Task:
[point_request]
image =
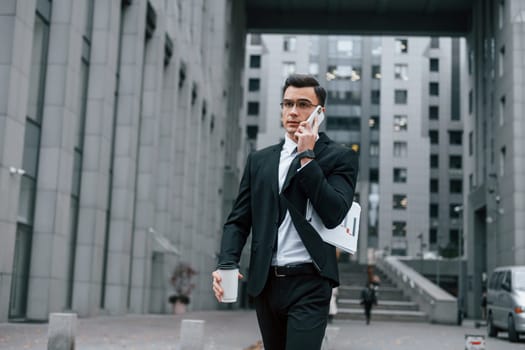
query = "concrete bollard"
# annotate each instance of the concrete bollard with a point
(192, 335)
(61, 331)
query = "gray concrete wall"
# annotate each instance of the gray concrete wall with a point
(153, 159)
(16, 34)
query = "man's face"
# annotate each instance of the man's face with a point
(298, 104)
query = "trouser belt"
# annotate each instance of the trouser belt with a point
(294, 270)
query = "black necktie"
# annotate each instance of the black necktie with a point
(294, 166)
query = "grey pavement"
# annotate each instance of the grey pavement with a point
(225, 330)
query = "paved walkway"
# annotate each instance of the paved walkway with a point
(229, 330)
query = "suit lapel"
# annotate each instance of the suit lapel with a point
(321, 144)
(274, 168)
(292, 170)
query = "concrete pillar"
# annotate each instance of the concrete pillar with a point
(61, 331)
(96, 157)
(148, 172)
(125, 157)
(166, 181)
(16, 33)
(51, 236)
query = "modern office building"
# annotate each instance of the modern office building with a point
(389, 98)
(119, 141)
(494, 155)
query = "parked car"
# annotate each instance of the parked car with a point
(506, 302)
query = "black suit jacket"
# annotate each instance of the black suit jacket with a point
(328, 181)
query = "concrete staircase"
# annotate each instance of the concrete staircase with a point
(392, 304)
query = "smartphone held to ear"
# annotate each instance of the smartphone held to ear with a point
(318, 111)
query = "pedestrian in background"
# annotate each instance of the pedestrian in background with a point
(368, 299)
(484, 304)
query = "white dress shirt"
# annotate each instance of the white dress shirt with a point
(290, 247)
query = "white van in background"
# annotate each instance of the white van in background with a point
(506, 302)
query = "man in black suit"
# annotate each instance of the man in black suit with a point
(292, 271)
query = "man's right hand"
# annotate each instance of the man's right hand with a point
(217, 289)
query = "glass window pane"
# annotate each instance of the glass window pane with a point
(88, 18)
(401, 46)
(374, 149)
(36, 77)
(343, 123)
(400, 97)
(455, 137)
(26, 201)
(255, 39)
(399, 229)
(434, 65)
(434, 89)
(82, 103)
(401, 71)
(434, 161)
(433, 112)
(432, 236)
(254, 84)
(253, 108)
(455, 162)
(400, 149)
(400, 201)
(434, 185)
(31, 146)
(375, 97)
(376, 72)
(289, 43)
(400, 122)
(456, 186)
(77, 167)
(343, 72)
(373, 122)
(400, 175)
(434, 210)
(434, 136)
(20, 277)
(255, 61)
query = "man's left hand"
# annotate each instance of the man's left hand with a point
(306, 137)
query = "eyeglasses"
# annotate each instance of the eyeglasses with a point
(300, 104)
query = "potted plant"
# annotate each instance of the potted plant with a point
(181, 280)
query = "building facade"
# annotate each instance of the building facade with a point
(119, 138)
(480, 216)
(494, 135)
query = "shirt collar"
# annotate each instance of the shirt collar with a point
(289, 145)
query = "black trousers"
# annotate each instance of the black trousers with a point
(292, 311)
(368, 310)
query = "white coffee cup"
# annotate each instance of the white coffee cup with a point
(230, 284)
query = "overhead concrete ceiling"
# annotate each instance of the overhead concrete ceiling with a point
(377, 17)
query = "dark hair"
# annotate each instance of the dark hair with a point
(304, 80)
